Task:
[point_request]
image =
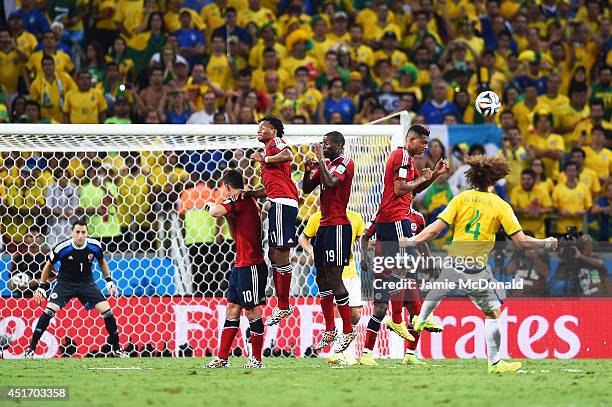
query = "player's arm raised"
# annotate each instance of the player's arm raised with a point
(430, 232)
(530, 243)
(441, 167)
(110, 285)
(329, 180)
(283, 156)
(310, 181)
(401, 188)
(215, 210)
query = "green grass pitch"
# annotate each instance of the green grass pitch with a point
(177, 382)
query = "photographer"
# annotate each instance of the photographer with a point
(532, 267)
(584, 274)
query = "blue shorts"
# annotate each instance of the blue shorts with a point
(281, 225)
(87, 292)
(247, 285)
(389, 233)
(332, 245)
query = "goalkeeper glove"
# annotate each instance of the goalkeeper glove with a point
(39, 295)
(111, 288)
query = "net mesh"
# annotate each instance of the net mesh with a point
(143, 198)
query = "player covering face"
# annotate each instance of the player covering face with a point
(476, 215)
(333, 172)
(75, 279)
(401, 181)
(246, 287)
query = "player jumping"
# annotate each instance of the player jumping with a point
(350, 278)
(477, 215)
(247, 281)
(411, 298)
(74, 279)
(283, 195)
(401, 179)
(332, 245)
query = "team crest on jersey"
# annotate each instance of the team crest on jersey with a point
(53, 296)
(413, 227)
(90, 257)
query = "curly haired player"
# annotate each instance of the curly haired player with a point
(477, 214)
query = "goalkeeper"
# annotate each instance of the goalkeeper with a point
(74, 279)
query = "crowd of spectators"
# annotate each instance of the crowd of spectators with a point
(336, 61)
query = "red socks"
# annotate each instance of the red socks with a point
(282, 283)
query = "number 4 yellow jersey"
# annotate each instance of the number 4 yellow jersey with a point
(477, 216)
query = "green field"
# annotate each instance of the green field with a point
(311, 382)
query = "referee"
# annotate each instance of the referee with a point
(74, 279)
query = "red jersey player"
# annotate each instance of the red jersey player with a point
(401, 179)
(247, 281)
(332, 244)
(410, 297)
(283, 196)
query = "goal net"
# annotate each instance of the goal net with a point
(142, 190)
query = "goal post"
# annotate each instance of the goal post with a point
(141, 188)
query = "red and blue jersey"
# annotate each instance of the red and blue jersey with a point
(400, 166)
(276, 177)
(335, 200)
(243, 218)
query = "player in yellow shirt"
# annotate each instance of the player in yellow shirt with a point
(546, 145)
(531, 204)
(571, 200)
(11, 58)
(598, 157)
(84, 104)
(49, 90)
(477, 214)
(586, 176)
(351, 279)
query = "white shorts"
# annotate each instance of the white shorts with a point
(487, 300)
(353, 286)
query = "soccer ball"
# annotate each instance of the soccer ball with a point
(487, 103)
(21, 279)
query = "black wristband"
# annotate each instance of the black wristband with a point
(109, 279)
(44, 286)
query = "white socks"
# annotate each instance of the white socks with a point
(493, 337)
(427, 309)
